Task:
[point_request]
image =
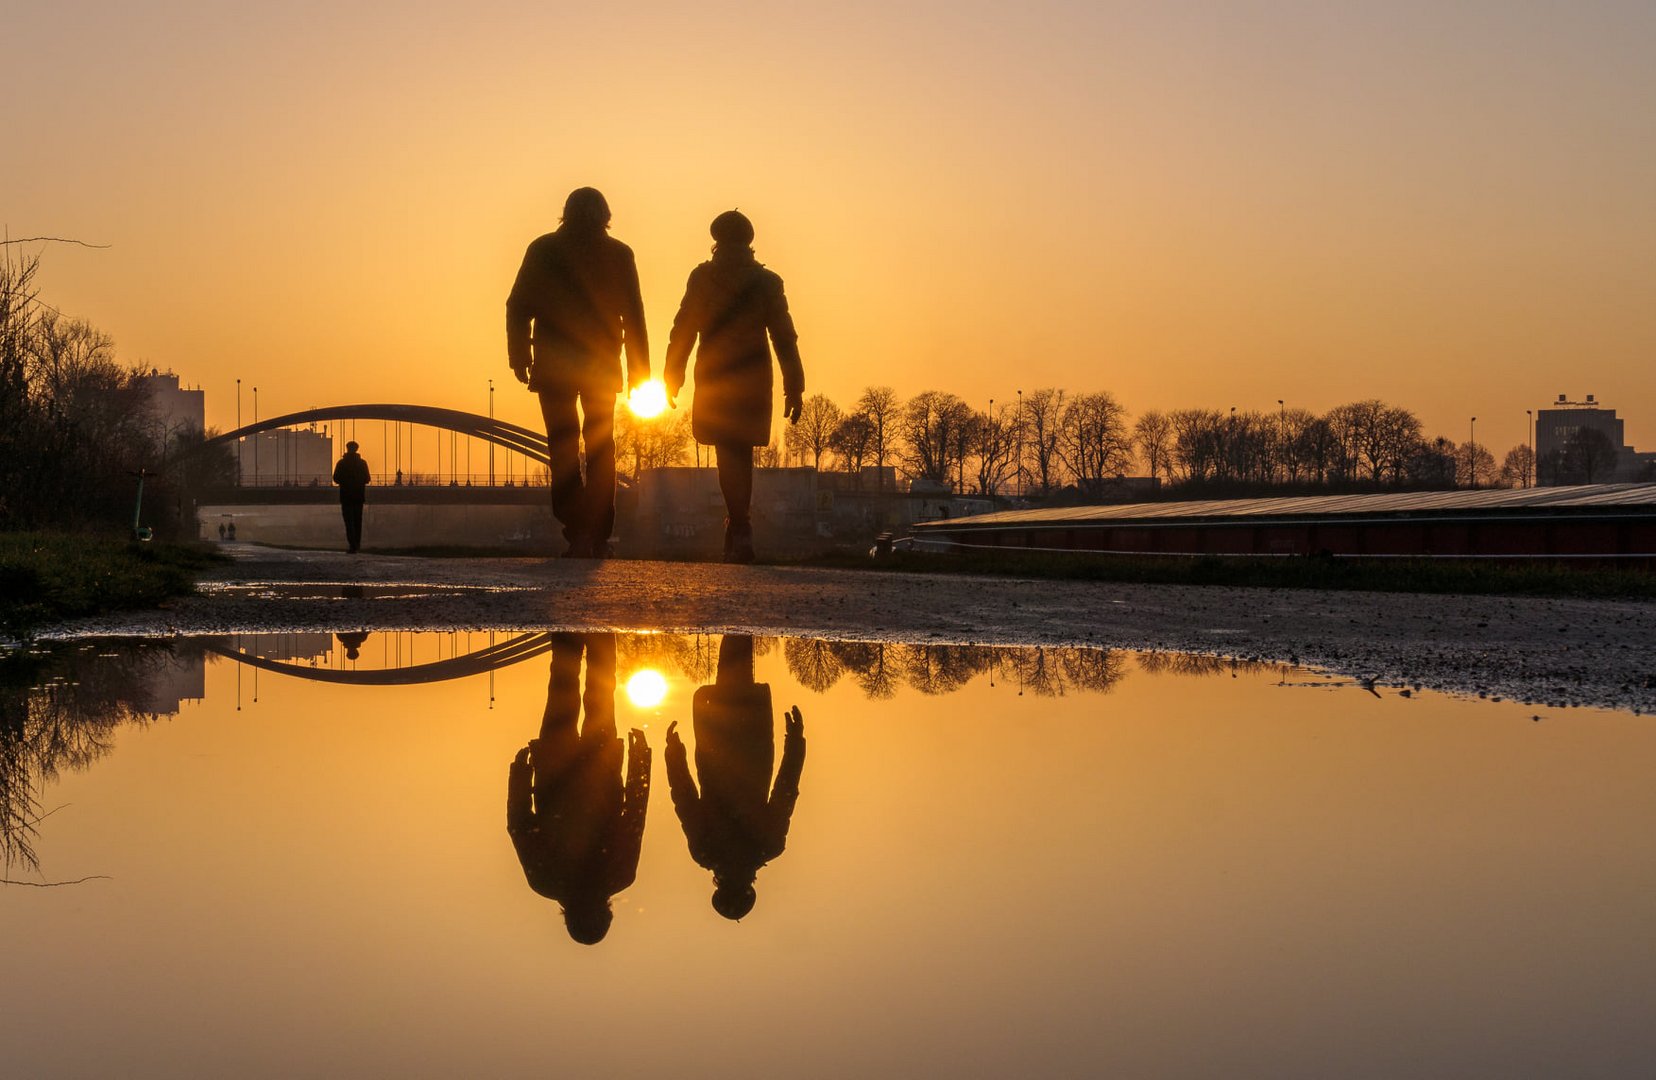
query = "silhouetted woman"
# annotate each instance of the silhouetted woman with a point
(576, 827)
(732, 302)
(738, 821)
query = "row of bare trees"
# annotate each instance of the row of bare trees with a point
(1051, 441)
(75, 424)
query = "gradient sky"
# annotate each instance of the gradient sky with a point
(1451, 206)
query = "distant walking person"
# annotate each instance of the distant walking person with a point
(732, 301)
(573, 308)
(738, 821)
(351, 474)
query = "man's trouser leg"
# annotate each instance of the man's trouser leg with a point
(598, 435)
(352, 513)
(563, 450)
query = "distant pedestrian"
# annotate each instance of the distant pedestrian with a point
(573, 308)
(231, 530)
(221, 532)
(351, 474)
(732, 301)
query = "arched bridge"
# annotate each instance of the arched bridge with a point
(521, 440)
(502, 654)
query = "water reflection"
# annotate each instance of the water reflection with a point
(59, 710)
(738, 821)
(577, 826)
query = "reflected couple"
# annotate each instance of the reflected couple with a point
(575, 803)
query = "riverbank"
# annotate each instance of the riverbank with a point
(48, 577)
(1544, 650)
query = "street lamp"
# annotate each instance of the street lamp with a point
(238, 437)
(1023, 484)
(256, 476)
(491, 443)
(1282, 437)
(1472, 453)
(1529, 473)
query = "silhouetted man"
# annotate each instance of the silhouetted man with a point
(351, 474)
(574, 306)
(738, 822)
(732, 302)
(577, 828)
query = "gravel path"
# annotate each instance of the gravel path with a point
(1543, 651)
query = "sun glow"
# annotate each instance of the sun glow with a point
(647, 688)
(647, 401)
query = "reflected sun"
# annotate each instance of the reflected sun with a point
(647, 688)
(648, 400)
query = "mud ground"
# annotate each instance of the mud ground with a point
(1552, 652)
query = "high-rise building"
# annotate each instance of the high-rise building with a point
(1583, 442)
(287, 456)
(173, 408)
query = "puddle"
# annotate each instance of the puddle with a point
(960, 860)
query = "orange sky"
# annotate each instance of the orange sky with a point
(1451, 207)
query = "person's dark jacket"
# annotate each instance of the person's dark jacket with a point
(351, 474)
(732, 302)
(575, 304)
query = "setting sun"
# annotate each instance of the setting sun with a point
(648, 400)
(647, 688)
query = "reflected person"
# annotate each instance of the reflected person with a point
(738, 821)
(731, 302)
(576, 825)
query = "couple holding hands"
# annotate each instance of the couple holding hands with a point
(576, 304)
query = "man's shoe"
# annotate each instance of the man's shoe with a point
(739, 542)
(579, 548)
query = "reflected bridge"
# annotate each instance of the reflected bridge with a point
(502, 654)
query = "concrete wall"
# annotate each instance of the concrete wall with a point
(388, 525)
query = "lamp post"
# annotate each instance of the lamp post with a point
(1023, 485)
(1282, 437)
(491, 442)
(238, 438)
(256, 476)
(1472, 453)
(1529, 473)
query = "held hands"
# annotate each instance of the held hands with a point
(792, 406)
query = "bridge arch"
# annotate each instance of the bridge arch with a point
(521, 440)
(515, 650)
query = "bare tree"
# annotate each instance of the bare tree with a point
(651, 444)
(882, 407)
(1518, 467)
(1474, 466)
(1042, 412)
(1093, 440)
(814, 433)
(1153, 435)
(930, 433)
(994, 445)
(852, 442)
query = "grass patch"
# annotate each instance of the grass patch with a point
(45, 577)
(1389, 575)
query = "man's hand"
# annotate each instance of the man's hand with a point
(792, 406)
(522, 373)
(793, 722)
(673, 735)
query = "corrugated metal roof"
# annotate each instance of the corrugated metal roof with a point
(1638, 497)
